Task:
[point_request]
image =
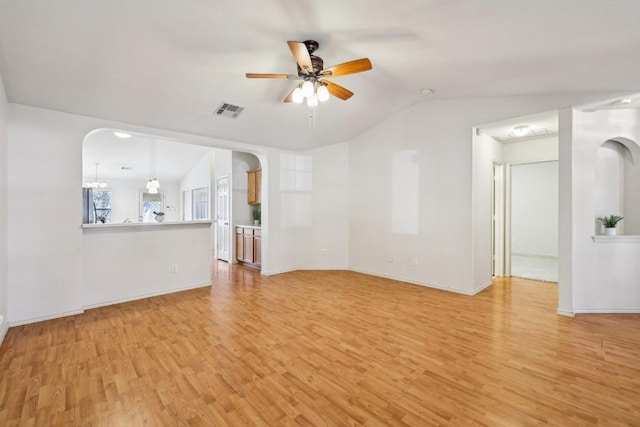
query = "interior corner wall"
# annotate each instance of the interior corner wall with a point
(4, 278)
(323, 241)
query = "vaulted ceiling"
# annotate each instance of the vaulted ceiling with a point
(170, 64)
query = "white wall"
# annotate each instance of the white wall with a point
(631, 201)
(317, 198)
(530, 151)
(486, 152)
(4, 279)
(534, 208)
(604, 274)
(121, 264)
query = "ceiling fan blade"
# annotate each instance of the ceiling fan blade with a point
(301, 55)
(289, 97)
(268, 76)
(337, 90)
(351, 67)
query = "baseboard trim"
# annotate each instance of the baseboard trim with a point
(3, 332)
(608, 311)
(150, 295)
(565, 313)
(43, 318)
(413, 282)
(483, 287)
(273, 273)
(323, 268)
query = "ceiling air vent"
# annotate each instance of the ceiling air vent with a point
(229, 110)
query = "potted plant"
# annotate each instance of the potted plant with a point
(256, 215)
(610, 223)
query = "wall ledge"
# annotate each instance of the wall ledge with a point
(616, 239)
(146, 224)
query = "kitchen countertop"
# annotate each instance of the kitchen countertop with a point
(256, 227)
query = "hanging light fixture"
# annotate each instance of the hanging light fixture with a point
(153, 184)
(322, 92)
(96, 183)
(297, 95)
(313, 90)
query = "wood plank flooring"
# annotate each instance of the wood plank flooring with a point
(325, 348)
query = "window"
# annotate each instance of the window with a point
(200, 203)
(102, 205)
(150, 205)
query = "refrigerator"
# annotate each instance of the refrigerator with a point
(88, 207)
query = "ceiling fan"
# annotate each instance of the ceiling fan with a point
(315, 86)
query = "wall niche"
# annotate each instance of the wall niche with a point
(617, 178)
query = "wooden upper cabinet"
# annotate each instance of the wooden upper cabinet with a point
(255, 183)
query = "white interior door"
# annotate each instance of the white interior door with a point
(223, 227)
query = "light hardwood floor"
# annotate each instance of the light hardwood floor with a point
(325, 348)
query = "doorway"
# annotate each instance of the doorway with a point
(223, 227)
(534, 221)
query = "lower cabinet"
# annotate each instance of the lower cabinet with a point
(248, 245)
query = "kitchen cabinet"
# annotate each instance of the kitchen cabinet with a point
(248, 245)
(254, 185)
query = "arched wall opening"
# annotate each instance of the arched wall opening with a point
(189, 175)
(616, 179)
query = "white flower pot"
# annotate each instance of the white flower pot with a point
(609, 231)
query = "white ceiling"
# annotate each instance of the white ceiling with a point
(173, 159)
(540, 125)
(170, 64)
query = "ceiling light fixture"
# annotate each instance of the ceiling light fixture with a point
(313, 90)
(153, 184)
(521, 130)
(623, 101)
(122, 135)
(427, 91)
(96, 183)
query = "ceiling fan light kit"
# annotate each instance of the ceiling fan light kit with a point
(315, 88)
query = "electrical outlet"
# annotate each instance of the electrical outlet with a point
(390, 259)
(324, 252)
(174, 268)
(414, 261)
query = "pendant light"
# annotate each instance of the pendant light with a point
(96, 183)
(153, 184)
